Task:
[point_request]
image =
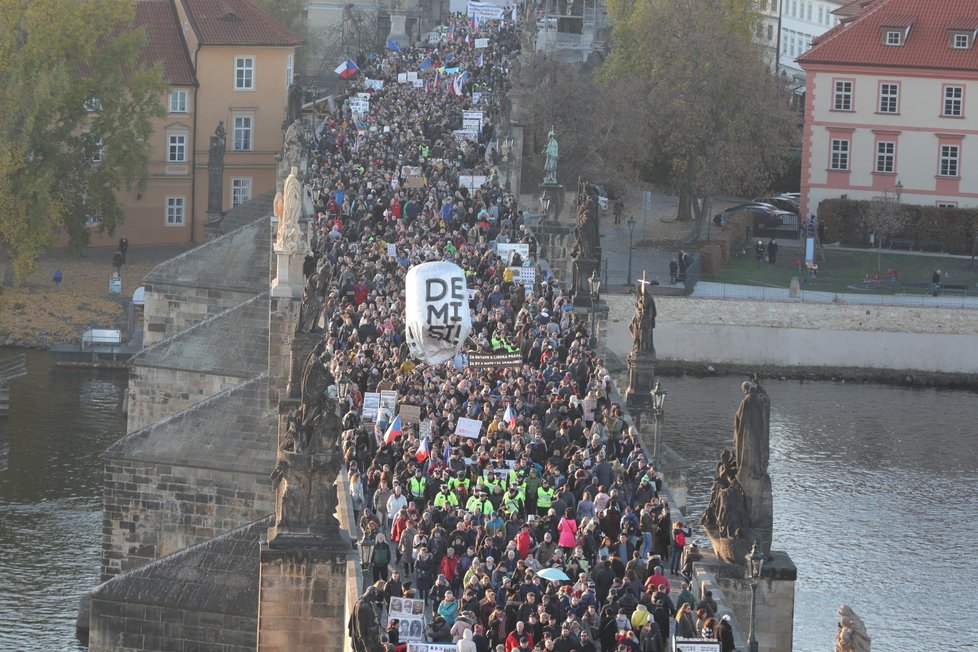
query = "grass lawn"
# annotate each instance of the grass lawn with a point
(845, 271)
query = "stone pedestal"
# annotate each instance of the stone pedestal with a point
(583, 268)
(302, 597)
(641, 377)
(399, 28)
(775, 606)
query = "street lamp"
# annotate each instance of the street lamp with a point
(755, 563)
(631, 230)
(899, 190)
(367, 545)
(658, 400)
(594, 284)
(343, 386)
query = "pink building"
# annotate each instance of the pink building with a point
(887, 104)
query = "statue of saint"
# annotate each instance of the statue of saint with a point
(294, 107)
(552, 151)
(288, 224)
(363, 628)
(315, 380)
(643, 323)
(312, 303)
(215, 170)
(751, 432)
(852, 636)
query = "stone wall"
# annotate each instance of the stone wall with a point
(151, 510)
(124, 626)
(170, 309)
(157, 394)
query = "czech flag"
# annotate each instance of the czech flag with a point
(509, 416)
(447, 453)
(480, 61)
(393, 430)
(347, 69)
(393, 45)
(451, 31)
(475, 23)
(424, 451)
(458, 86)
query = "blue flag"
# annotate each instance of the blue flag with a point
(424, 64)
(393, 45)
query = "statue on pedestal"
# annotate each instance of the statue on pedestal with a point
(312, 303)
(288, 223)
(586, 230)
(643, 323)
(552, 151)
(363, 628)
(852, 636)
(741, 505)
(215, 170)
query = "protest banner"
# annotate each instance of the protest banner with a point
(473, 115)
(430, 647)
(468, 428)
(696, 645)
(418, 83)
(481, 43)
(525, 276)
(405, 608)
(505, 250)
(371, 403)
(495, 360)
(476, 98)
(402, 78)
(472, 123)
(412, 76)
(473, 182)
(484, 11)
(465, 134)
(376, 84)
(410, 413)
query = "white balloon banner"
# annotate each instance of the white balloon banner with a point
(437, 317)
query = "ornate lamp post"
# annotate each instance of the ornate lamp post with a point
(367, 545)
(658, 400)
(631, 230)
(594, 284)
(899, 190)
(755, 563)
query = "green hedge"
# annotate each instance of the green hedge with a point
(724, 243)
(957, 227)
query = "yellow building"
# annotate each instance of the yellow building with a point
(225, 61)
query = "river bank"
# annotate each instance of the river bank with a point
(37, 314)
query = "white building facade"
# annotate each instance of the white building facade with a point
(801, 22)
(887, 107)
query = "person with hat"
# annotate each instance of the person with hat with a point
(725, 635)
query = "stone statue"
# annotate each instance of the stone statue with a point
(312, 303)
(741, 506)
(315, 380)
(288, 224)
(552, 152)
(643, 323)
(294, 148)
(852, 636)
(363, 628)
(586, 230)
(215, 170)
(294, 108)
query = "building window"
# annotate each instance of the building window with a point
(289, 71)
(961, 42)
(840, 154)
(242, 133)
(949, 160)
(843, 95)
(240, 191)
(885, 156)
(893, 37)
(93, 220)
(174, 211)
(244, 73)
(889, 96)
(178, 101)
(97, 150)
(176, 150)
(93, 105)
(953, 100)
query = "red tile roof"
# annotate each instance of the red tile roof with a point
(164, 41)
(237, 22)
(859, 41)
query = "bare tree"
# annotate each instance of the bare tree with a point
(884, 217)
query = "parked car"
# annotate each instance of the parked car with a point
(754, 208)
(782, 202)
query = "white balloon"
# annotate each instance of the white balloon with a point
(436, 313)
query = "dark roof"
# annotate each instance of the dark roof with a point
(237, 261)
(236, 430)
(217, 576)
(859, 41)
(259, 206)
(237, 22)
(232, 343)
(165, 41)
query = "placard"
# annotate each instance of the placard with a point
(376, 84)
(371, 403)
(402, 78)
(388, 400)
(115, 283)
(412, 76)
(525, 276)
(476, 98)
(473, 182)
(481, 43)
(505, 250)
(468, 427)
(430, 647)
(418, 83)
(465, 134)
(484, 11)
(405, 608)
(410, 413)
(696, 645)
(472, 123)
(391, 250)
(495, 360)
(473, 115)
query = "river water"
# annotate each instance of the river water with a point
(874, 491)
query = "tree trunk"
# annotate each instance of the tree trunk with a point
(685, 193)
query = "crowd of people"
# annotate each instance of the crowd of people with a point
(556, 479)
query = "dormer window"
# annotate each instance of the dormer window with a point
(960, 42)
(893, 37)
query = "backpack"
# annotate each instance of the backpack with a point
(680, 538)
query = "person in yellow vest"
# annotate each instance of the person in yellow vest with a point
(545, 496)
(444, 497)
(417, 485)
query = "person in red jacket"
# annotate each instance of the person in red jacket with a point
(397, 528)
(524, 541)
(448, 566)
(517, 635)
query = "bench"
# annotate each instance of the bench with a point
(940, 245)
(901, 242)
(955, 288)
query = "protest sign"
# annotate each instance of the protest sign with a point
(476, 98)
(468, 428)
(391, 249)
(371, 403)
(473, 115)
(696, 645)
(484, 11)
(410, 413)
(376, 84)
(473, 182)
(418, 83)
(402, 78)
(465, 134)
(430, 647)
(526, 276)
(505, 250)
(481, 43)
(412, 76)
(472, 123)
(495, 360)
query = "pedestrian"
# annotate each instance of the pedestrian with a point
(772, 251)
(118, 260)
(759, 253)
(673, 271)
(683, 264)
(935, 280)
(57, 278)
(123, 247)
